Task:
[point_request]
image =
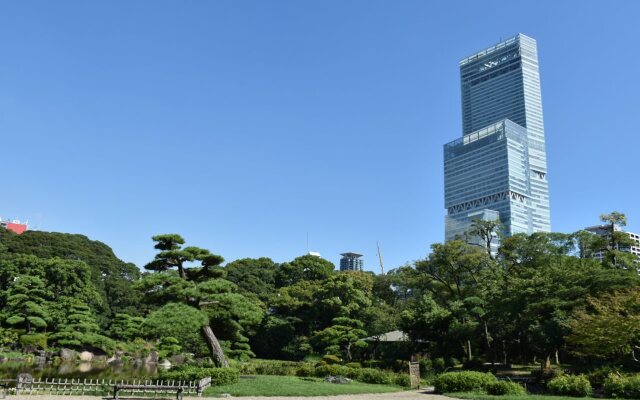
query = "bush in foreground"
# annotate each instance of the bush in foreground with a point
(466, 381)
(624, 387)
(501, 388)
(219, 376)
(570, 385)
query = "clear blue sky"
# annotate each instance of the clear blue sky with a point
(244, 125)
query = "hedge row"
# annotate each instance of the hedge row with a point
(321, 370)
(464, 381)
(219, 376)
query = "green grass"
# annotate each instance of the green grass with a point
(264, 385)
(482, 396)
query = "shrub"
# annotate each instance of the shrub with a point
(219, 376)
(625, 387)
(353, 365)
(501, 388)
(426, 366)
(403, 380)
(598, 376)
(570, 385)
(370, 375)
(305, 370)
(271, 367)
(332, 370)
(223, 376)
(546, 374)
(38, 340)
(438, 364)
(466, 381)
(331, 359)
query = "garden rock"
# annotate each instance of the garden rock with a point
(178, 359)
(152, 358)
(68, 354)
(86, 356)
(341, 380)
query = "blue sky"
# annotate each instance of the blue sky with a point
(246, 125)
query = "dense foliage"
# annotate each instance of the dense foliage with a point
(189, 373)
(570, 385)
(466, 381)
(502, 388)
(541, 298)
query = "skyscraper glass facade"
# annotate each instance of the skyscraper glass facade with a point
(499, 165)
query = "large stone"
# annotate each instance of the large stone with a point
(86, 356)
(100, 359)
(68, 354)
(337, 379)
(152, 358)
(178, 359)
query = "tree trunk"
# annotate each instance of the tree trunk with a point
(214, 346)
(546, 362)
(489, 350)
(28, 325)
(469, 349)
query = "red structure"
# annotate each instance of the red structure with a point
(13, 226)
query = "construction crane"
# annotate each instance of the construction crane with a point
(380, 258)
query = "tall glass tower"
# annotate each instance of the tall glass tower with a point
(498, 168)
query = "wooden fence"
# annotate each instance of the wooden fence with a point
(65, 386)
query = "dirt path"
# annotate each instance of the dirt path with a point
(407, 395)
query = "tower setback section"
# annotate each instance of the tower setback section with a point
(498, 169)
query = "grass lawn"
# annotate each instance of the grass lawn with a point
(482, 396)
(269, 385)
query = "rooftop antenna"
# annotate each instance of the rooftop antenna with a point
(380, 258)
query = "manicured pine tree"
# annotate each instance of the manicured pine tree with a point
(26, 304)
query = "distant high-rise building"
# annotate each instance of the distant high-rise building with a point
(605, 230)
(498, 167)
(351, 262)
(14, 226)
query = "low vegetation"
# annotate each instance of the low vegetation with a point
(295, 386)
(570, 385)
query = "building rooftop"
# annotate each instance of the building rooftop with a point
(351, 254)
(496, 47)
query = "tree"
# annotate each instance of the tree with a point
(254, 276)
(111, 278)
(126, 327)
(347, 294)
(179, 321)
(486, 230)
(618, 241)
(26, 304)
(607, 326)
(341, 337)
(201, 287)
(307, 267)
(80, 328)
(451, 274)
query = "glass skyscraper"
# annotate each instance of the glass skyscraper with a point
(498, 168)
